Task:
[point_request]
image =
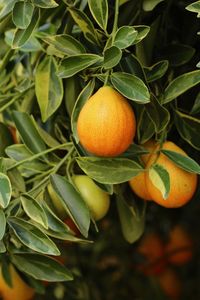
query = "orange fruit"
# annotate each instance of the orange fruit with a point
(170, 283)
(138, 182)
(182, 183)
(19, 291)
(106, 124)
(179, 246)
(151, 247)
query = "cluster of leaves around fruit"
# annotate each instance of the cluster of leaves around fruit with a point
(62, 53)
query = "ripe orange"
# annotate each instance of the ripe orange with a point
(170, 283)
(19, 291)
(179, 246)
(106, 125)
(182, 183)
(151, 247)
(138, 182)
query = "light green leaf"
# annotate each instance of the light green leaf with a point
(149, 5)
(41, 267)
(160, 179)
(99, 11)
(5, 190)
(72, 202)
(3, 225)
(184, 162)
(142, 31)
(194, 7)
(48, 87)
(180, 85)
(74, 64)
(112, 57)
(131, 87)
(125, 36)
(109, 171)
(45, 3)
(7, 8)
(34, 210)
(22, 14)
(65, 43)
(32, 237)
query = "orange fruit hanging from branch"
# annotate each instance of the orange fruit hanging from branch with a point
(106, 124)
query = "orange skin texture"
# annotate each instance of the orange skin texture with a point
(106, 125)
(138, 182)
(179, 247)
(170, 284)
(182, 184)
(19, 291)
(151, 248)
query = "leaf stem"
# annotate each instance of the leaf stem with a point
(115, 19)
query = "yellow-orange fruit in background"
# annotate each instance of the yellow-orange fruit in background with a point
(19, 291)
(151, 247)
(138, 182)
(182, 183)
(106, 124)
(170, 284)
(179, 246)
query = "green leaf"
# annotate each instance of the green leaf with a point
(31, 45)
(74, 64)
(125, 36)
(28, 132)
(130, 64)
(142, 31)
(99, 11)
(34, 210)
(82, 98)
(112, 57)
(48, 87)
(17, 181)
(156, 71)
(72, 202)
(32, 237)
(45, 3)
(132, 225)
(109, 171)
(194, 7)
(180, 85)
(131, 87)
(3, 225)
(158, 114)
(85, 25)
(149, 5)
(2, 247)
(8, 6)
(22, 14)
(41, 267)
(160, 179)
(196, 106)
(23, 35)
(178, 54)
(5, 190)
(72, 90)
(65, 43)
(184, 162)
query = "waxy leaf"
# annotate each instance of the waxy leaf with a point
(3, 225)
(112, 57)
(22, 14)
(99, 11)
(160, 179)
(5, 190)
(125, 36)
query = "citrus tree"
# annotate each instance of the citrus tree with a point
(99, 107)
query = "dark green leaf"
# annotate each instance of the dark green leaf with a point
(178, 54)
(72, 202)
(130, 64)
(22, 14)
(125, 37)
(131, 87)
(160, 179)
(112, 57)
(188, 128)
(196, 107)
(184, 162)
(99, 11)
(32, 237)
(23, 35)
(31, 45)
(82, 98)
(3, 225)
(180, 85)
(5, 190)
(72, 90)
(142, 30)
(74, 64)
(2, 247)
(156, 71)
(65, 43)
(48, 87)
(109, 171)
(150, 5)
(34, 210)
(41, 267)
